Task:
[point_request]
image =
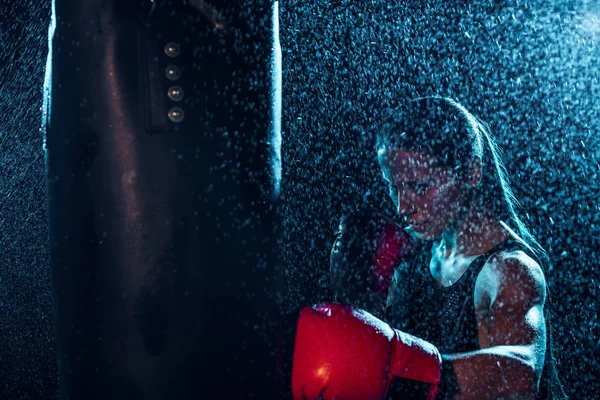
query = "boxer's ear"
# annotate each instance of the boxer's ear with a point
(474, 176)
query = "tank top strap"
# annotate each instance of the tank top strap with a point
(509, 244)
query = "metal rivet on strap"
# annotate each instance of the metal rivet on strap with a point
(176, 115)
(175, 93)
(172, 72)
(172, 49)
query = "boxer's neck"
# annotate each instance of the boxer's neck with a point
(475, 233)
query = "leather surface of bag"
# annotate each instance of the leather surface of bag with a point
(162, 175)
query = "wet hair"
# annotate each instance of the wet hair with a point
(442, 128)
(352, 273)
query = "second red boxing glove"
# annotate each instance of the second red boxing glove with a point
(346, 353)
(367, 250)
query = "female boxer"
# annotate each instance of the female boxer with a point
(480, 292)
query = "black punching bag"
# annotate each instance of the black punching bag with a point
(162, 149)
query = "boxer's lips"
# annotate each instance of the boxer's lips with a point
(418, 227)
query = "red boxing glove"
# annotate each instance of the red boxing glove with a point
(394, 247)
(346, 353)
(367, 250)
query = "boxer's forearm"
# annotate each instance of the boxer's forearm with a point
(496, 372)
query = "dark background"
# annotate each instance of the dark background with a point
(529, 69)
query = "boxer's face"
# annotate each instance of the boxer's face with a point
(427, 196)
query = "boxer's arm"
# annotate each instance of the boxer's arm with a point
(509, 299)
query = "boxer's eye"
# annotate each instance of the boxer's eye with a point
(420, 187)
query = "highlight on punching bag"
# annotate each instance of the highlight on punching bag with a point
(162, 122)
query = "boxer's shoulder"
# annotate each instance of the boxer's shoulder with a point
(512, 274)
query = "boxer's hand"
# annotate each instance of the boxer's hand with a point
(344, 352)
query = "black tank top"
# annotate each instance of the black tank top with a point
(444, 316)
